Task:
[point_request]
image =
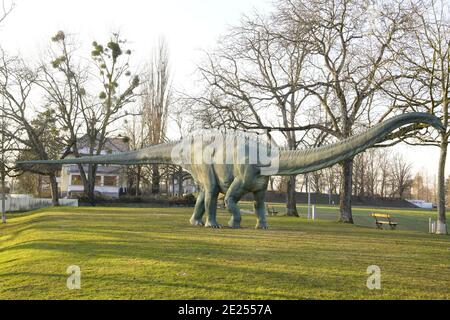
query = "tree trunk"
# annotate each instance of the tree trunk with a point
(54, 190)
(91, 184)
(173, 184)
(291, 204)
(138, 179)
(383, 186)
(167, 184)
(39, 186)
(180, 181)
(3, 199)
(362, 189)
(130, 182)
(346, 192)
(441, 221)
(155, 179)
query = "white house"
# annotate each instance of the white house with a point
(111, 180)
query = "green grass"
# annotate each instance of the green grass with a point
(408, 219)
(153, 253)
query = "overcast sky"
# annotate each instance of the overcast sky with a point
(189, 26)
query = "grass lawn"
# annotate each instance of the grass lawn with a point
(153, 253)
(408, 219)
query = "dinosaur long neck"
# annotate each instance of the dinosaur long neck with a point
(303, 161)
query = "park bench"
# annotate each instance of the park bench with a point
(384, 218)
(271, 211)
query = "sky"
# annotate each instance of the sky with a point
(189, 26)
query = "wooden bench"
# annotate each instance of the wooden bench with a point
(384, 218)
(271, 211)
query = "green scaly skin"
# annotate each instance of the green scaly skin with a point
(238, 178)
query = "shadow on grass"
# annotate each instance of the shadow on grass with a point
(118, 281)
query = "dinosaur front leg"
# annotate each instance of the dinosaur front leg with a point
(211, 208)
(260, 209)
(199, 210)
(233, 195)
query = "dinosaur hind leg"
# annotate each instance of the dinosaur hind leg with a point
(260, 209)
(232, 197)
(199, 210)
(211, 195)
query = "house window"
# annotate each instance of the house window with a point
(76, 180)
(110, 181)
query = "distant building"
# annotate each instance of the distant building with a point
(110, 181)
(421, 204)
(189, 185)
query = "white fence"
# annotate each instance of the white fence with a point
(26, 203)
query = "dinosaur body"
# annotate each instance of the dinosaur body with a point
(234, 164)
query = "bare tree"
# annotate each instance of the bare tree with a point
(135, 129)
(350, 55)
(426, 56)
(447, 190)
(423, 187)
(33, 135)
(359, 174)
(401, 177)
(8, 148)
(6, 142)
(6, 9)
(63, 80)
(333, 179)
(316, 181)
(372, 171)
(252, 81)
(155, 100)
(366, 171)
(331, 59)
(88, 112)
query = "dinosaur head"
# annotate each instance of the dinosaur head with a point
(433, 121)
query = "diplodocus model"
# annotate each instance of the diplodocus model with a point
(226, 163)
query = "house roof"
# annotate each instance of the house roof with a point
(112, 145)
(118, 144)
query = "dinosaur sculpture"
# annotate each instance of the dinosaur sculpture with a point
(236, 164)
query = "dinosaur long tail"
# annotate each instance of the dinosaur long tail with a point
(158, 154)
(303, 161)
